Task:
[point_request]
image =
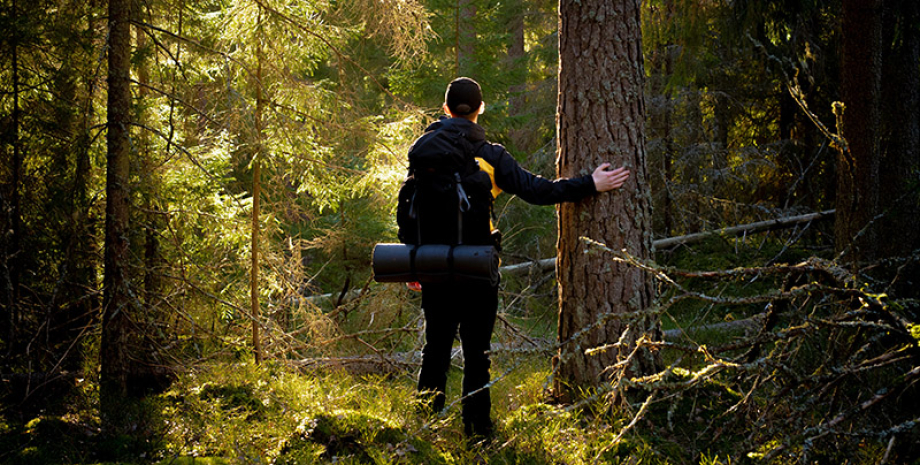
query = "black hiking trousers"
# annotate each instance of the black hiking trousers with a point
(470, 309)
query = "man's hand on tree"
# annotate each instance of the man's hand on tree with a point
(609, 180)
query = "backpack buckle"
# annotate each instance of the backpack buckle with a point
(464, 204)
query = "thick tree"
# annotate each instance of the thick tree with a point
(601, 118)
(900, 147)
(858, 162)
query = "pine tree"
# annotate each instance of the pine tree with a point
(118, 308)
(601, 118)
(858, 162)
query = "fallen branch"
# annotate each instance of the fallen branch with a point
(547, 264)
(760, 226)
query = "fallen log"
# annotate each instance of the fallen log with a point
(547, 264)
(751, 228)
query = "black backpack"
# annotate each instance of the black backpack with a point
(446, 199)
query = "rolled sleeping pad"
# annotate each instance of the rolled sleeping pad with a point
(435, 263)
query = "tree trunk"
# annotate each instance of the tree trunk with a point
(858, 164)
(13, 244)
(601, 118)
(116, 329)
(900, 154)
(256, 193)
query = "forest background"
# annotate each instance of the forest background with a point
(264, 146)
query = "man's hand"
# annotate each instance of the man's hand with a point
(609, 180)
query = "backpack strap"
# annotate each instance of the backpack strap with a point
(463, 202)
(413, 214)
(463, 206)
(472, 150)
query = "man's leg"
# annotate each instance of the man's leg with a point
(476, 326)
(440, 329)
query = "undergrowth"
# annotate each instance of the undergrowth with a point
(231, 413)
(821, 371)
(272, 414)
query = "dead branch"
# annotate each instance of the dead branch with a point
(548, 264)
(751, 228)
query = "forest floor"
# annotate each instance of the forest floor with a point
(234, 411)
(230, 413)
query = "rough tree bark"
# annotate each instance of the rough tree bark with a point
(601, 118)
(116, 323)
(858, 163)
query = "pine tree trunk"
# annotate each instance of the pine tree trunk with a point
(601, 118)
(900, 155)
(256, 198)
(116, 330)
(13, 238)
(858, 166)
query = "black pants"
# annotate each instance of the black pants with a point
(469, 308)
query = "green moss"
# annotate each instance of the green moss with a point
(234, 396)
(341, 435)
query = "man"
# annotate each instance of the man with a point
(470, 307)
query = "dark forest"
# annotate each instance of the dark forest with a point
(190, 193)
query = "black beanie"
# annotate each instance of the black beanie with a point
(463, 96)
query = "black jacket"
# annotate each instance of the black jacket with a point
(510, 176)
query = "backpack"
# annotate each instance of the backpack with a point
(446, 198)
